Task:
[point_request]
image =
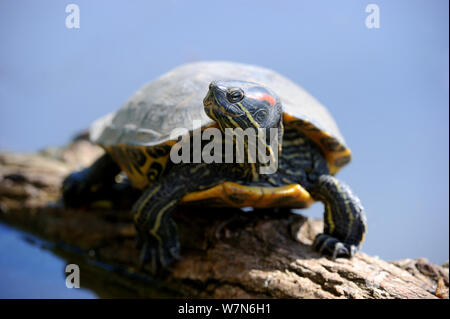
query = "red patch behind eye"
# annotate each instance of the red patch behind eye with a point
(266, 97)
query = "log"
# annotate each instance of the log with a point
(226, 253)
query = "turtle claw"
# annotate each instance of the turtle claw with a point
(157, 255)
(330, 246)
(174, 252)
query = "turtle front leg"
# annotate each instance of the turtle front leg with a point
(157, 235)
(156, 230)
(344, 218)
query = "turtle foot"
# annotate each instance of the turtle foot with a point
(158, 255)
(330, 246)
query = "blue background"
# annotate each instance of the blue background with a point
(387, 88)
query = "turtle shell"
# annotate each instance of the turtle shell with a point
(175, 100)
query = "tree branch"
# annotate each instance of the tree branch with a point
(226, 253)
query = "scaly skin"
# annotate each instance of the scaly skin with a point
(231, 104)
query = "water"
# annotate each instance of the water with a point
(28, 271)
(31, 267)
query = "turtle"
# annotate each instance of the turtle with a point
(219, 96)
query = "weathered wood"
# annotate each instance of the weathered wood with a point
(226, 252)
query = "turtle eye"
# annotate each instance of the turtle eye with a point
(235, 95)
(260, 116)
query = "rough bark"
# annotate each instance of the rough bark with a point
(226, 252)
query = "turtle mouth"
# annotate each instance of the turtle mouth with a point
(223, 111)
(209, 99)
(208, 103)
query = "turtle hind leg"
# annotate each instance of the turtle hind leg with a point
(90, 184)
(344, 218)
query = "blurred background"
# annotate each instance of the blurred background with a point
(387, 88)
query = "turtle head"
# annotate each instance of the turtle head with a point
(247, 106)
(240, 104)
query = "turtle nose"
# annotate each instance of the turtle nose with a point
(213, 85)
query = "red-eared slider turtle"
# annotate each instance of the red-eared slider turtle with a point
(222, 95)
